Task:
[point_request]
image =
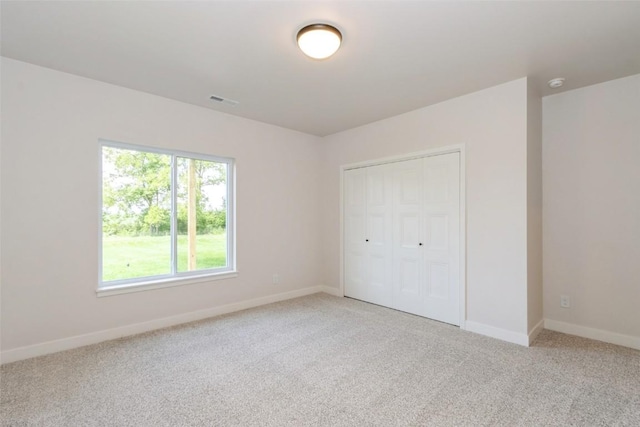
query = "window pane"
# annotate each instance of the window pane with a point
(202, 214)
(136, 214)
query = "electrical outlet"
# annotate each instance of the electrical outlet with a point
(275, 279)
(565, 302)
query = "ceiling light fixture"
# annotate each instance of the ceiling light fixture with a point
(556, 83)
(319, 41)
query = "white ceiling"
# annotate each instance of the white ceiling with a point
(396, 55)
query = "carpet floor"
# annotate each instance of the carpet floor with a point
(325, 361)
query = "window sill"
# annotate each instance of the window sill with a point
(163, 283)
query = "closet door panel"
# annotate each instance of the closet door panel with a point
(438, 280)
(378, 234)
(355, 249)
(408, 277)
(441, 219)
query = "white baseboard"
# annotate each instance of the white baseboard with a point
(331, 291)
(493, 332)
(55, 346)
(533, 333)
(592, 333)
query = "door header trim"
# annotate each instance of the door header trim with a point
(457, 148)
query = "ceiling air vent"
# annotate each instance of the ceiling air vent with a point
(222, 100)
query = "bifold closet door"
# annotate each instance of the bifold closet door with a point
(441, 213)
(408, 243)
(401, 236)
(379, 232)
(441, 221)
(426, 210)
(368, 234)
(355, 225)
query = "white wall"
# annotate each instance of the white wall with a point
(49, 173)
(493, 125)
(591, 158)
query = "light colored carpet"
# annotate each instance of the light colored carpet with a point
(325, 361)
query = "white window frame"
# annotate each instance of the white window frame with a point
(175, 278)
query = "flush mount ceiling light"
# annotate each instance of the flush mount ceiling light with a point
(556, 83)
(319, 41)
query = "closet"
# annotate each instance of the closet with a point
(402, 235)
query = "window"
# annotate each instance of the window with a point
(165, 215)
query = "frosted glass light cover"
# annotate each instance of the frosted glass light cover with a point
(319, 41)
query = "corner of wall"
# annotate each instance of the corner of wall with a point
(331, 291)
(534, 209)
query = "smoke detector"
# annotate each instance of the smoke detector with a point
(556, 83)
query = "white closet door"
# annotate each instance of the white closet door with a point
(355, 249)
(401, 236)
(441, 221)
(379, 232)
(408, 271)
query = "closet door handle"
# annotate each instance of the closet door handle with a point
(419, 244)
(366, 240)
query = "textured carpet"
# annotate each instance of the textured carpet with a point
(326, 361)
